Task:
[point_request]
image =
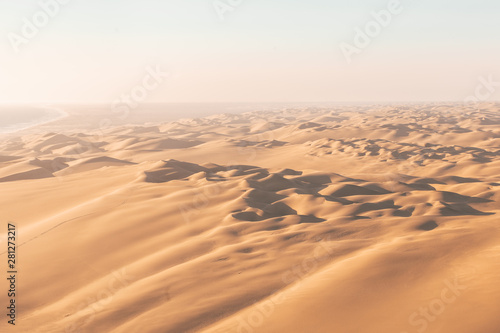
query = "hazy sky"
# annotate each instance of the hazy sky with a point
(261, 51)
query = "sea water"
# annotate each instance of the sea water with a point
(15, 118)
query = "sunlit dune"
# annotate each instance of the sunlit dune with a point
(380, 219)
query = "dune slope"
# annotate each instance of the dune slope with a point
(356, 219)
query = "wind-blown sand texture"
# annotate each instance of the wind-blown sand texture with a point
(366, 219)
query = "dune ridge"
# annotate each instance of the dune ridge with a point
(299, 220)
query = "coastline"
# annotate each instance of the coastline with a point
(29, 125)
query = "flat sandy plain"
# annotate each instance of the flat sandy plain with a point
(355, 219)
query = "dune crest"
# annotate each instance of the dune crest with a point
(350, 219)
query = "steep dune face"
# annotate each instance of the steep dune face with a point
(361, 219)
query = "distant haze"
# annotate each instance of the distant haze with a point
(257, 51)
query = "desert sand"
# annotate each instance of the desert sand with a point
(348, 219)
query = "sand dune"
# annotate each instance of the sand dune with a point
(162, 144)
(31, 174)
(82, 165)
(355, 219)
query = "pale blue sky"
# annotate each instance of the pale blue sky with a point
(274, 50)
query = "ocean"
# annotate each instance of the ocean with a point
(15, 118)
